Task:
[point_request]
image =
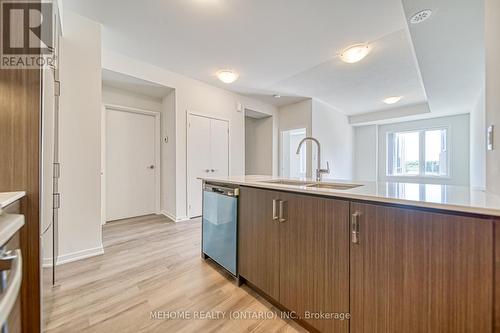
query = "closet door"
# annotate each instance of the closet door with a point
(219, 142)
(198, 160)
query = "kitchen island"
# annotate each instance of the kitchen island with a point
(371, 257)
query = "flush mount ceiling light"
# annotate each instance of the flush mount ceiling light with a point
(227, 76)
(355, 53)
(392, 99)
(420, 16)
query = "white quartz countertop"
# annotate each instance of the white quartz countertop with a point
(6, 198)
(445, 197)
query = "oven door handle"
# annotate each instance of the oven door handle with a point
(9, 296)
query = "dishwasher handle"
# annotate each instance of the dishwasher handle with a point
(222, 190)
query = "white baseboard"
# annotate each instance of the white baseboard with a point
(173, 217)
(168, 215)
(79, 255)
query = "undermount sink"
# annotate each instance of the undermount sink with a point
(289, 182)
(312, 184)
(334, 186)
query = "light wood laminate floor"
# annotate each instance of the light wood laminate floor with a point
(152, 264)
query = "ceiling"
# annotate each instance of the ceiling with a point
(134, 85)
(450, 49)
(285, 47)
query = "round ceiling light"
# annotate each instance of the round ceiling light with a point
(227, 76)
(355, 53)
(420, 16)
(392, 99)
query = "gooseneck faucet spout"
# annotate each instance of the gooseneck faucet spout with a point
(319, 171)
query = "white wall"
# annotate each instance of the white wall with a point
(459, 148)
(478, 145)
(295, 116)
(327, 125)
(259, 146)
(168, 180)
(115, 96)
(79, 227)
(192, 95)
(336, 136)
(492, 37)
(365, 153)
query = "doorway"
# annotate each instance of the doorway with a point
(293, 165)
(207, 156)
(258, 143)
(132, 162)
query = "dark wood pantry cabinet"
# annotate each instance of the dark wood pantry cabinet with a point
(392, 268)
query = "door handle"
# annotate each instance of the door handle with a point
(212, 170)
(282, 211)
(207, 170)
(275, 210)
(151, 167)
(355, 227)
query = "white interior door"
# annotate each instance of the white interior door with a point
(198, 160)
(208, 155)
(219, 153)
(130, 164)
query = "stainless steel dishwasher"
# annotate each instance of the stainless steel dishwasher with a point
(220, 225)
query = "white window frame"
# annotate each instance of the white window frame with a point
(421, 164)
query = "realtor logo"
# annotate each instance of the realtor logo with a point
(27, 34)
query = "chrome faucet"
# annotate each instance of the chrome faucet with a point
(319, 171)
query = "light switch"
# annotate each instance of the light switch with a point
(490, 138)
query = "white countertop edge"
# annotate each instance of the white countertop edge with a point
(6, 198)
(452, 207)
(9, 225)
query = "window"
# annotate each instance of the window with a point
(436, 159)
(418, 153)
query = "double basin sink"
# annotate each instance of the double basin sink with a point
(312, 184)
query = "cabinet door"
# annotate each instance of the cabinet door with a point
(415, 271)
(258, 245)
(314, 260)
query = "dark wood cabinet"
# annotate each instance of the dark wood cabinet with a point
(391, 268)
(301, 257)
(314, 260)
(416, 271)
(258, 240)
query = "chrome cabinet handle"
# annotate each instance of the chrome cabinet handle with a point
(282, 211)
(275, 210)
(355, 227)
